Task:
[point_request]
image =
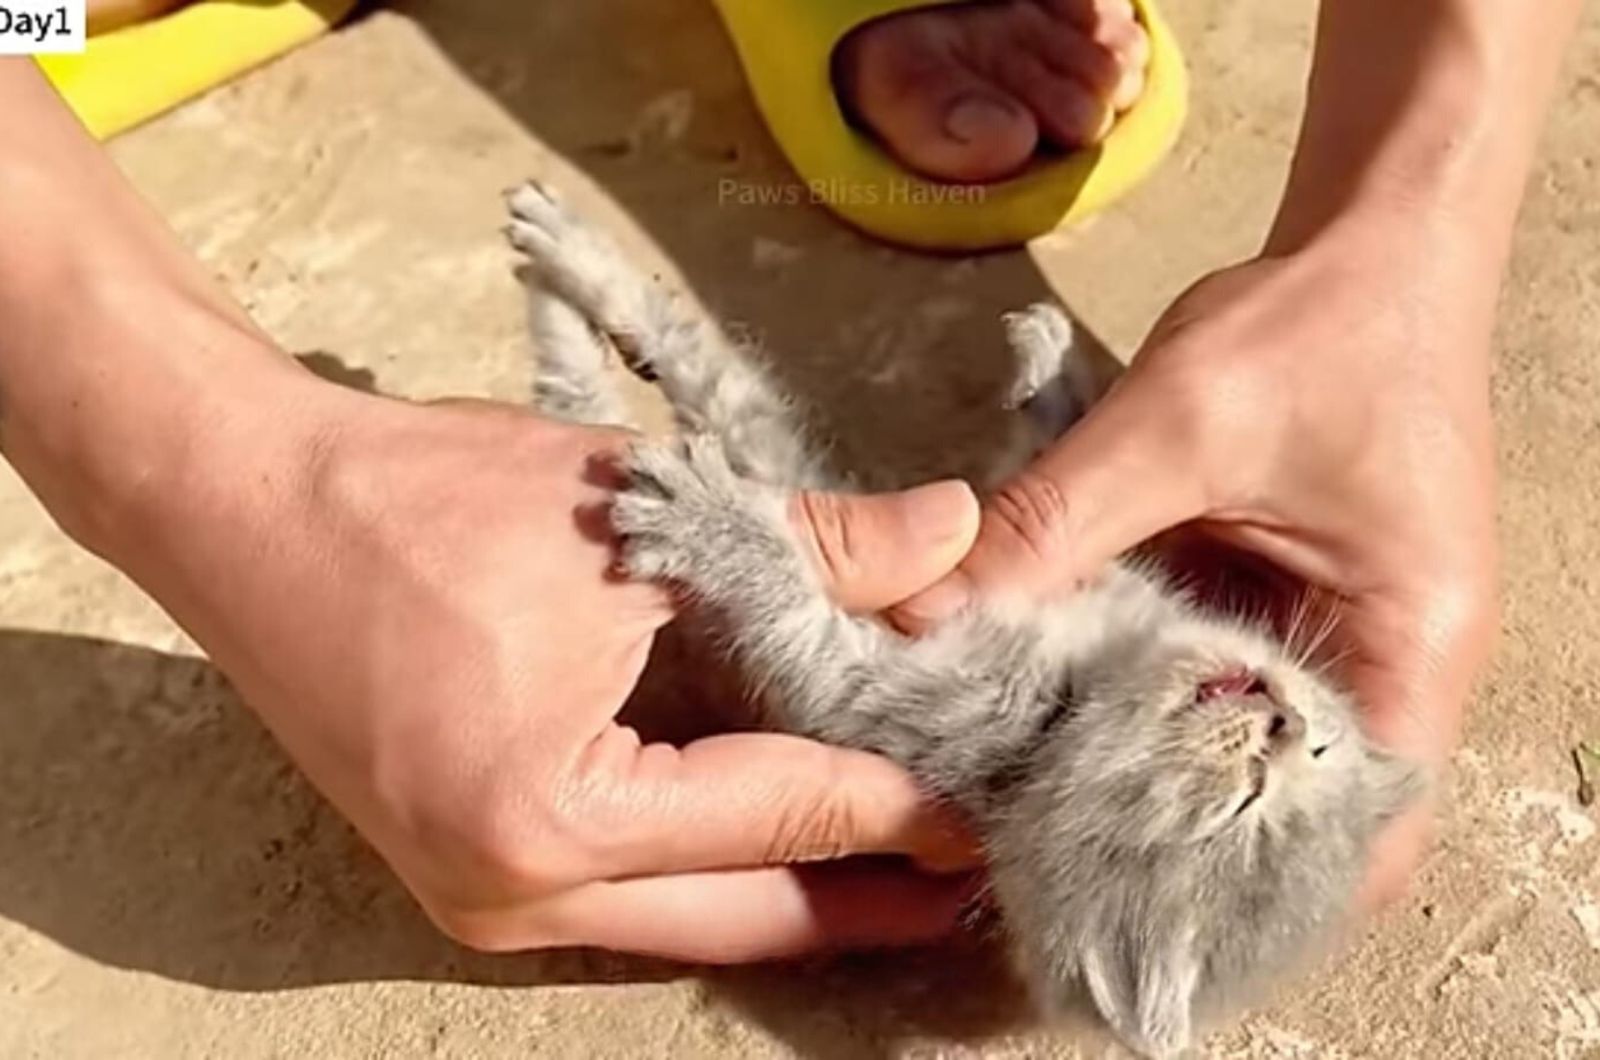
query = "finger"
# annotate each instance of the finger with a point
(1396, 853)
(1413, 659)
(1412, 668)
(749, 799)
(1127, 471)
(875, 550)
(733, 917)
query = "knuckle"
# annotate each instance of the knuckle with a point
(1032, 510)
(475, 931)
(493, 931)
(827, 526)
(509, 849)
(820, 833)
(504, 867)
(819, 827)
(1218, 417)
(1199, 388)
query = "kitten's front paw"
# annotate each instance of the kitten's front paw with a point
(578, 264)
(540, 226)
(564, 254)
(686, 517)
(654, 513)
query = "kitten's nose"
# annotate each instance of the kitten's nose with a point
(1286, 727)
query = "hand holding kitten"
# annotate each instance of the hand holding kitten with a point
(1326, 419)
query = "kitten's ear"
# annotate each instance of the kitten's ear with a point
(1145, 988)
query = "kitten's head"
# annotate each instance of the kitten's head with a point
(1198, 819)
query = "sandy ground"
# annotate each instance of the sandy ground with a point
(169, 888)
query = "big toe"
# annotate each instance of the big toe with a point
(909, 86)
(968, 93)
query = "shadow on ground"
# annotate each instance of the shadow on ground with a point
(232, 873)
(903, 371)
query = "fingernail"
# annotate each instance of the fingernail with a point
(978, 118)
(944, 844)
(934, 605)
(939, 514)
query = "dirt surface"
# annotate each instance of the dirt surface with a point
(169, 888)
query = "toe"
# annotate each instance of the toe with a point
(1117, 28)
(967, 92)
(1069, 112)
(907, 82)
(1076, 65)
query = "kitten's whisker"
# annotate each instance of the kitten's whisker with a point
(1330, 626)
(1332, 662)
(1303, 641)
(1330, 623)
(1297, 617)
(1185, 585)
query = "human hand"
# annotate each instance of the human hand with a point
(417, 600)
(1322, 414)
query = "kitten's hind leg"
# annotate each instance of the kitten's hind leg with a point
(572, 379)
(712, 388)
(1055, 383)
(575, 265)
(1053, 387)
(571, 376)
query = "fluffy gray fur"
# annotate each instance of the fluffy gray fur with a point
(1174, 807)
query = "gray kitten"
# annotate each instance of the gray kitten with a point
(1173, 807)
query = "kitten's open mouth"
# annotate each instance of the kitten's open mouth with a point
(1233, 684)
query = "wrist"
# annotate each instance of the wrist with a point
(1426, 228)
(123, 400)
(1421, 120)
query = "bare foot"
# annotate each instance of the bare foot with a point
(107, 15)
(970, 92)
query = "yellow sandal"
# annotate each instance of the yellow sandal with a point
(787, 46)
(131, 75)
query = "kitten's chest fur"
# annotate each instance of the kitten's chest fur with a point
(1008, 671)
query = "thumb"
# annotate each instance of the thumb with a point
(1124, 473)
(875, 550)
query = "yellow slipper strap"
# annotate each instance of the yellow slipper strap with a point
(786, 47)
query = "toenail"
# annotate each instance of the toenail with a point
(1128, 90)
(1085, 119)
(978, 118)
(1108, 121)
